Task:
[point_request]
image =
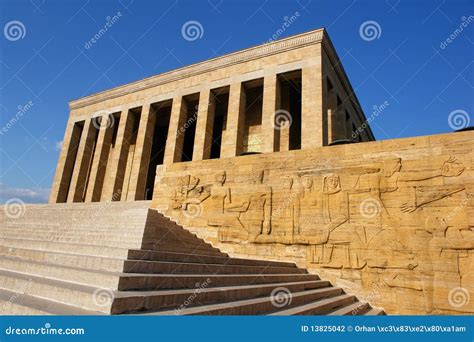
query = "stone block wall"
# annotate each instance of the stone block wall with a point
(391, 221)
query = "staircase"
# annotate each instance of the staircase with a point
(123, 258)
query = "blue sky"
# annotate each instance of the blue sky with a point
(408, 63)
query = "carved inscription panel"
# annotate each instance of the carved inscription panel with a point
(397, 232)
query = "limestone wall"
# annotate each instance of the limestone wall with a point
(391, 221)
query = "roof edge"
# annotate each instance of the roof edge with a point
(236, 57)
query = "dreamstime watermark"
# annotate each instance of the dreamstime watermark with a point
(189, 121)
(16, 296)
(14, 30)
(377, 110)
(370, 30)
(103, 297)
(14, 208)
(289, 201)
(105, 205)
(372, 296)
(192, 30)
(192, 297)
(97, 121)
(460, 207)
(109, 22)
(281, 297)
(287, 22)
(22, 110)
(370, 207)
(47, 329)
(458, 297)
(192, 208)
(282, 119)
(464, 24)
(458, 119)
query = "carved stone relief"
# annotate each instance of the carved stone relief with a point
(380, 223)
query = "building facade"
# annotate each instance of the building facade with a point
(266, 153)
(286, 95)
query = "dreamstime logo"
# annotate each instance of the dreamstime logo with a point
(22, 110)
(14, 208)
(199, 287)
(109, 22)
(192, 209)
(103, 297)
(192, 30)
(377, 110)
(458, 119)
(281, 297)
(287, 21)
(17, 294)
(369, 208)
(282, 119)
(370, 30)
(14, 30)
(458, 297)
(465, 22)
(97, 121)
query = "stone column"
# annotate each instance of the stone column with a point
(311, 108)
(332, 107)
(271, 106)
(348, 121)
(174, 142)
(232, 137)
(114, 189)
(81, 168)
(336, 118)
(284, 130)
(141, 158)
(204, 125)
(99, 162)
(65, 165)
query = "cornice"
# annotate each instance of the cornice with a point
(242, 56)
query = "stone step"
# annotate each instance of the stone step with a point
(67, 273)
(130, 281)
(41, 245)
(71, 232)
(65, 226)
(135, 266)
(358, 308)
(106, 301)
(135, 238)
(113, 231)
(141, 266)
(255, 306)
(319, 307)
(82, 240)
(375, 312)
(110, 263)
(66, 259)
(99, 250)
(205, 259)
(77, 295)
(14, 303)
(120, 242)
(137, 301)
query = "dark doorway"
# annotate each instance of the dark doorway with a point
(221, 99)
(162, 111)
(290, 85)
(189, 127)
